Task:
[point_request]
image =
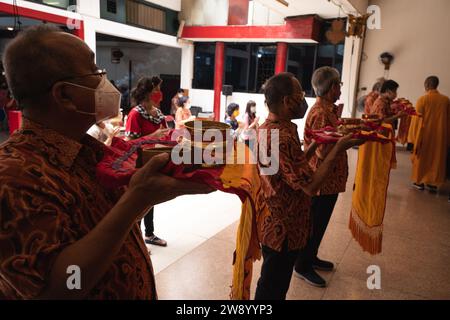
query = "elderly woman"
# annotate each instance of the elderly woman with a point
(326, 82)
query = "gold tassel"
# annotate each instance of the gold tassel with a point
(369, 238)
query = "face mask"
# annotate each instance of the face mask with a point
(236, 113)
(253, 109)
(106, 100)
(180, 95)
(298, 111)
(156, 97)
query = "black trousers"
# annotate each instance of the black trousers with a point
(148, 223)
(321, 209)
(276, 273)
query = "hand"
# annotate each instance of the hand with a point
(115, 132)
(160, 133)
(348, 142)
(191, 118)
(402, 113)
(151, 187)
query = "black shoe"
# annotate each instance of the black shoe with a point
(311, 277)
(323, 265)
(155, 241)
(432, 189)
(419, 186)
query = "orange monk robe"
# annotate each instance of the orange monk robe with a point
(433, 139)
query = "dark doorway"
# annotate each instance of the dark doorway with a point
(170, 86)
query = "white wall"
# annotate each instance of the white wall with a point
(416, 32)
(147, 60)
(204, 12)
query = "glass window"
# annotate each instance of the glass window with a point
(264, 56)
(301, 63)
(249, 65)
(204, 59)
(236, 66)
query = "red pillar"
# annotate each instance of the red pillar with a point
(280, 62)
(218, 77)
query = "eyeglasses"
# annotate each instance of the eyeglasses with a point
(99, 72)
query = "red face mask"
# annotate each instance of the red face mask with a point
(156, 97)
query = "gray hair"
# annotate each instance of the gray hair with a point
(323, 79)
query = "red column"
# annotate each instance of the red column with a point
(280, 62)
(218, 77)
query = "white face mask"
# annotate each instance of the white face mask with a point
(253, 109)
(106, 99)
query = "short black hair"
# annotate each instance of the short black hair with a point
(33, 63)
(389, 85)
(232, 107)
(432, 82)
(276, 88)
(180, 90)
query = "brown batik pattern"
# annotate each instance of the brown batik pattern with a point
(288, 214)
(323, 114)
(49, 199)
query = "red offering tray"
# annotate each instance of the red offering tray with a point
(330, 135)
(404, 105)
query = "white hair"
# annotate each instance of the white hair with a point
(323, 79)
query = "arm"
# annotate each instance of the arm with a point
(39, 271)
(311, 150)
(95, 252)
(295, 168)
(392, 119)
(133, 126)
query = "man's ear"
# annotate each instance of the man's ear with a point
(59, 94)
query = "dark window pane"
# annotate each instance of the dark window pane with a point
(301, 64)
(264, 59)
(204, 58)
(111, 6)
(236, 67)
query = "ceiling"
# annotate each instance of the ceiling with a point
(324, 8)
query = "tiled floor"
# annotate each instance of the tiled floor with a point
(414, 263)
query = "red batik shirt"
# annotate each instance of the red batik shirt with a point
(49, 199)
(288, 215)
(324, 114)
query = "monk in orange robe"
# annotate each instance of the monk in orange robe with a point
(433, 139)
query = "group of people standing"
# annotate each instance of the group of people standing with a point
(429, 132)
(55, 212)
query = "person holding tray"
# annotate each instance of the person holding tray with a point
(65, 236)
(284, 229)
(326, 82)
